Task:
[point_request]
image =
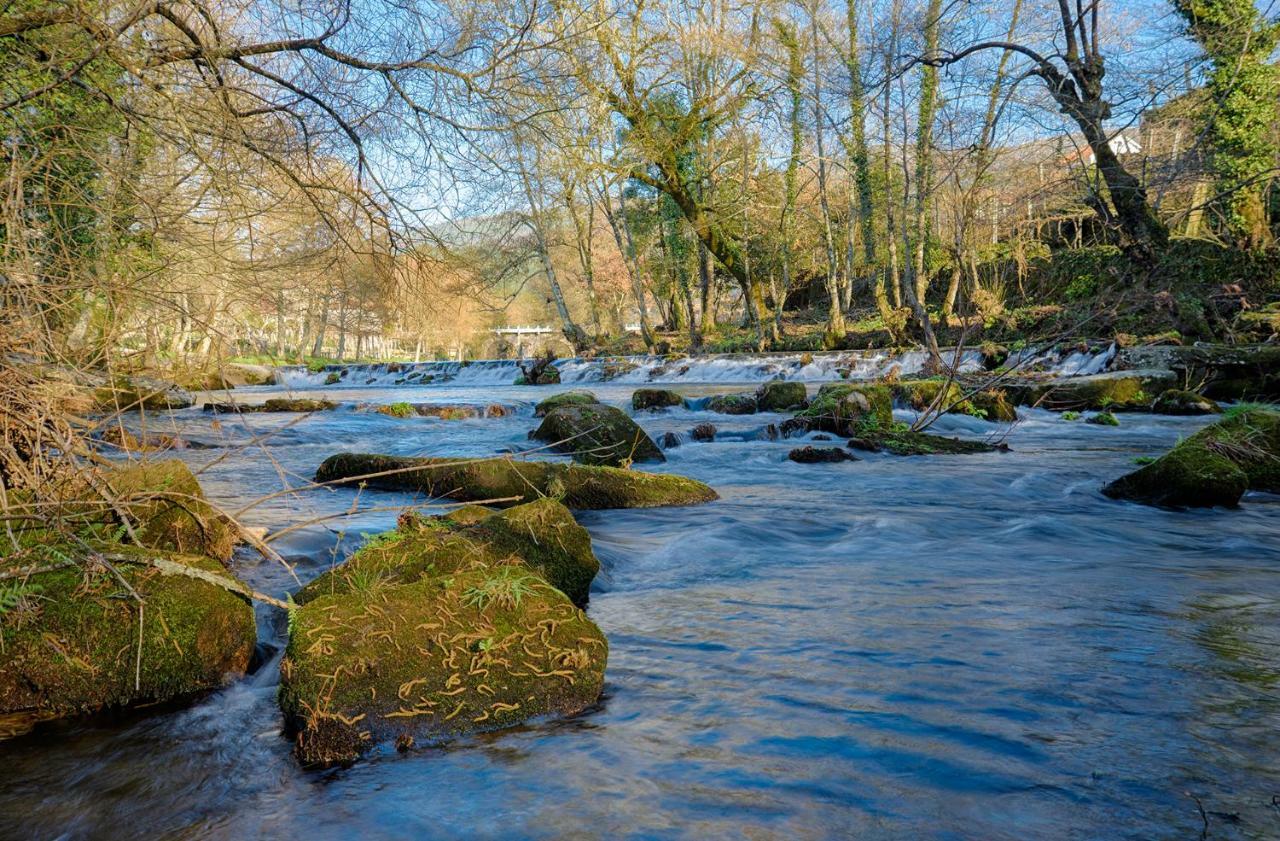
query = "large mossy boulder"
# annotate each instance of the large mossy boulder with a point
(987, 403)
(733, 404)
(654, 399)
(165, 504)
(476, 649)
(575, 485)
(122, 393)
(567, 398)
(1113, 391)
(841, 408)
(597, 434)
(781, 396)
(543, 535)
(1214, 467)
(1178, 402)
(69, 637)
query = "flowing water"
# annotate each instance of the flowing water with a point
(950, 647)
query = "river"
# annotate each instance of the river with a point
(947, 647)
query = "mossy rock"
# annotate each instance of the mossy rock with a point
(902, 441)
(274, 404)
(1214, 467)
(993, 404)
(1103, 419)
(548, 376)
(1178, 402)
(333, 378)
(70, 644)
(1113, 391)
(575, 485)
(542, 535)
(820, 455)
(597, 434)
(781, 396)
(478, 649)
(567, 398)
(133, 393)
(841, 408)
(654, 399)
(733, 404)
(166, 505)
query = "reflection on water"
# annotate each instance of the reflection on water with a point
(949, 647)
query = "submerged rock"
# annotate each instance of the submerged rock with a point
(668, 440)
(542, 535)
(1178, 402)
(69, 638)
(781, 396)
(704, 432)
(654, 399)
(732, 404)
(597, 434)
(820, 455)
(1103, 419)
(575, 485)
(567, 398)
(443, 411)
(1214, 467)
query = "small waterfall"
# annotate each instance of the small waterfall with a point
(825, 366)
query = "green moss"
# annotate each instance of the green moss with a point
(1214, 467)
(577, 486)
(167, 506)
(397, 410)
(1117, 391)
(123, 393)
(841, 408)
(597, 434)
(1178, 402)
(333, 378)
(1071, 416)
(1102, 419)
(72, 648)
(900, 440)
(654, 398)
(442, 655)
(733, 404)
(781, 396)
(567, 398)
(541, 535)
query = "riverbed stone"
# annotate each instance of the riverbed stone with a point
(1179, 402)
(542, 535)
(271, 405)
(133, 393)
(597, 434)
(567, 398)
(820, 455)
(1213, 467)
(781, 396)
(1114, 391)
(733, 404)
(69, 639)
(475, 649)
(900, 440)
(704, 432)
(655, 399)
(841, 408)
(575, 485)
